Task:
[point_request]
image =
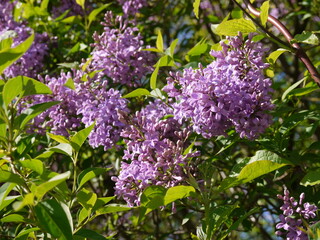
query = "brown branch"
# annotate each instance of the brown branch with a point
(299, 51)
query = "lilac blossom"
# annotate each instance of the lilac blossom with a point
(154, 154)
(100, 105)
(294, 213)
(230, 92)
(118, 52)
(131, 7)
(90, 101)
(32, 61)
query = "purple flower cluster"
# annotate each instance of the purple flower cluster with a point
(230, 91)
(89, 102)
(100, 105)
(293, 215)
(61, 118)
(32, 61)
(131, 7)
(118, 52)
(154, 154)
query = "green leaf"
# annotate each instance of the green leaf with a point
(264, 13)
(196, 5)
(311, 178)
(70, 84)
(53, 219)
(9, 56)
(165, 61)
(153, 79)
(137, 93)
(159, 42)
(92, 16)
(87, 199)
(5, 189)
(58, 138)
(13, 218)
(89, 234)
(293, 86)
(200, 48)
(310, 87)
(170, 50)
(306, 37)
(153, 197)
(30, 113)
(80, 137)
(26, 231)
(23, 86)
(101, 202)
(232, 27)
(272, 58)
(33, 164)
(63, 148)
(112, 208)
(262, 163)
(88, 174)
(81, 3)
(42, 189)
(6, 176)
(177, 192)
(28, 199)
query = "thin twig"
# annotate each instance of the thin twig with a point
(299, 51)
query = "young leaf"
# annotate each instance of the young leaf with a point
(159, 42)
(53, 219)
(13, 218)
(23, 86)
(70, 84)
(58, 138)
(95, 12)
(264, 13)
(170, 50)
(63, 148)
(153, 79)
(81, 3)
(42, 189)
(137, 93)
(196, 5)
(293, 86)
(177, 192)
(9, 56)
(79, 138)
(232, 27)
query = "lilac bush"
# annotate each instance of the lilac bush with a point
(118, 52)
(294, 215)
(230, 91)
(33, 60)
(154, 154)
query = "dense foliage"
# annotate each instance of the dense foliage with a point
(135, 119)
